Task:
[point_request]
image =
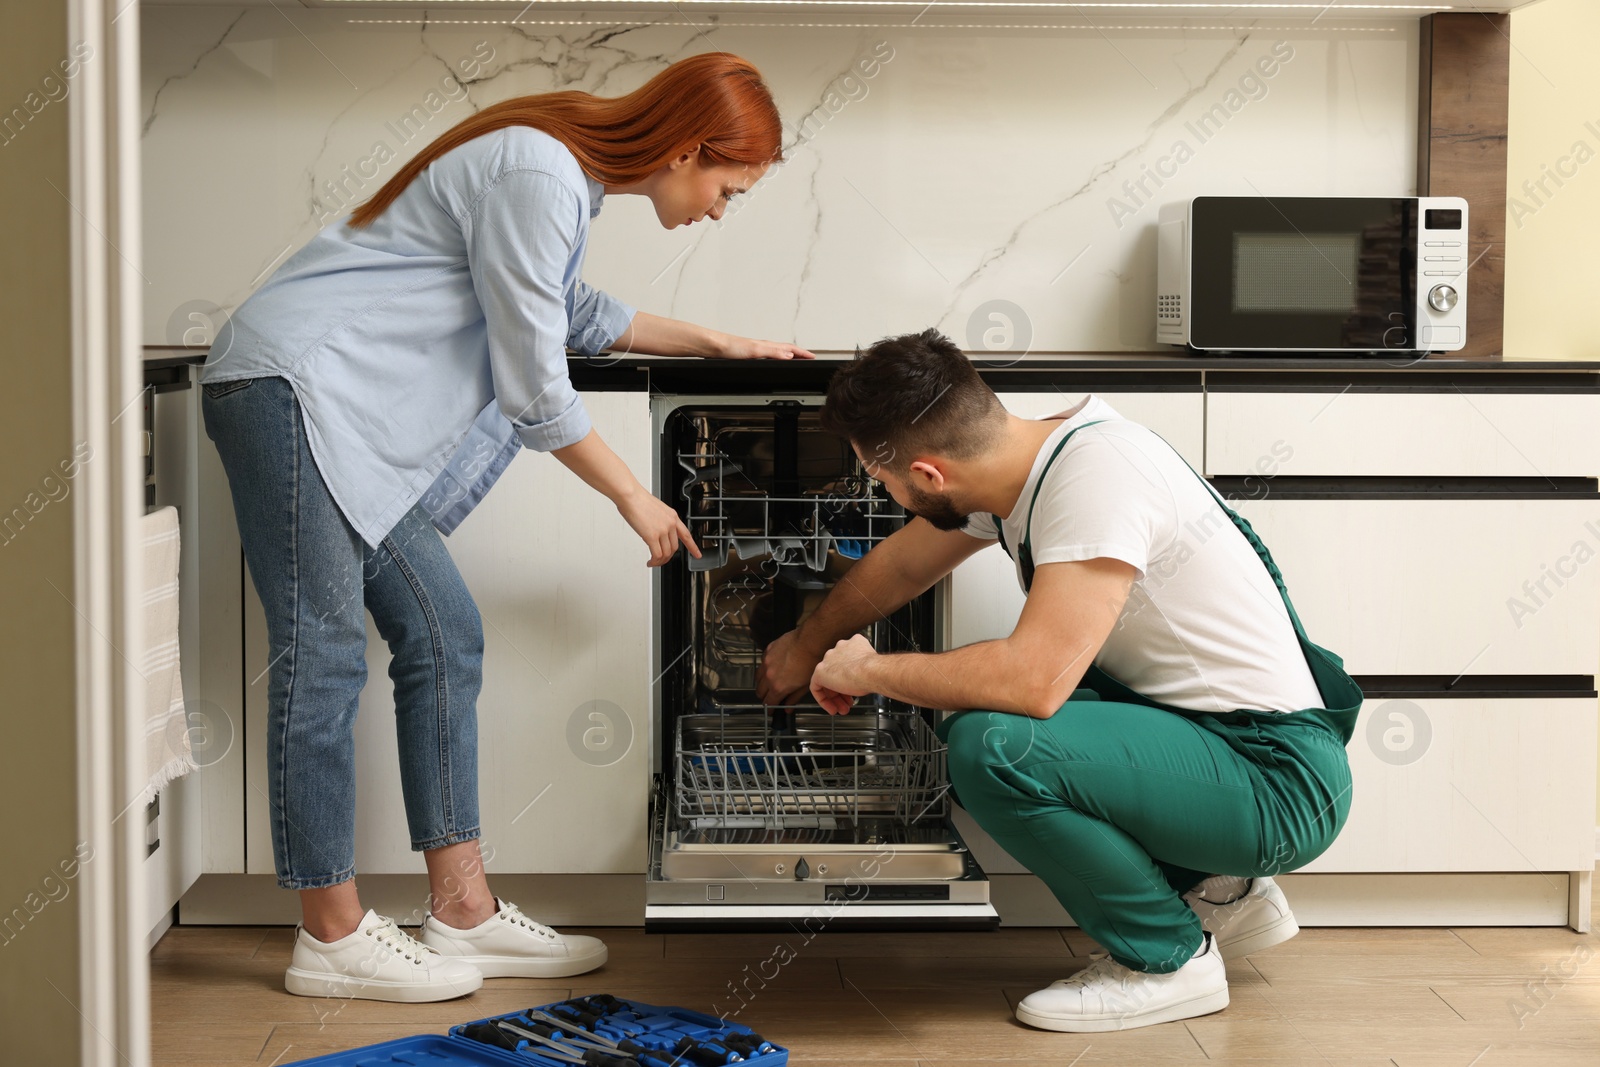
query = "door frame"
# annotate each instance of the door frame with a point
(107, 387)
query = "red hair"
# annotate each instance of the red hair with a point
(715, 100)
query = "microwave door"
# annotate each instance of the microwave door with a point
(1312, 273)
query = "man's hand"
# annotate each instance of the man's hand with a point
(785, 673)
(838, 679)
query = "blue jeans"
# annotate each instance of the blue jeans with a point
(317, 579)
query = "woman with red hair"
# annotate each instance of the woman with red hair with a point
(366, 397)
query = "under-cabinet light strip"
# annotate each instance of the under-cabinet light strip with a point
(1147, 5)
(723, 24)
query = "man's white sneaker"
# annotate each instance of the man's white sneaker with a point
(377, 962)
(508, 944)
(1108, 996)
(1258, 919)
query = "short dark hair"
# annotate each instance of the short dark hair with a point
(910, 396)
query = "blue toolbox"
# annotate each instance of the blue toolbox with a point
(599, 1030)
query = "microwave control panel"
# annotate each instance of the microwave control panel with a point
(1442, 274)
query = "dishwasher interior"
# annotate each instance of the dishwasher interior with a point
(763, 815)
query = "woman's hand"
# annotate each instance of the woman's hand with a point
(732, 347)
(653, 335)
(657, 525)
(839, 678)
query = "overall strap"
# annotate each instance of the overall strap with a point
(1341, 693)
(1250, 535)
(1027, 522)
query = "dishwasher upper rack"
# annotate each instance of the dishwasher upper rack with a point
(738, 770)
(729, 514)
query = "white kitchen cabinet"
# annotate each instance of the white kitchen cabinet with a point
(1433, 586)
(1441, 434)
(1469, 785)
(1426, 582)
(1419, 585)
(564, 591)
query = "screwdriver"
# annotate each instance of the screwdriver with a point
(732, 1049)
(707, 1052)
(603, 1003)
(649, 1057)
(489, 1034)
(555, 1033)
(572, 1013)
(592, 1057)
(584, 1026)
(571, 1024)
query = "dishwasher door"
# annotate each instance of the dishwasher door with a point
(768, 816)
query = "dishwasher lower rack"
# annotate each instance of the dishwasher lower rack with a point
(753, 767)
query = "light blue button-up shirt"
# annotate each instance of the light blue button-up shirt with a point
(430, 346)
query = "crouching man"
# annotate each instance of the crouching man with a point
(1157, 737)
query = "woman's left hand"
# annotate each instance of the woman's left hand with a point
(750, 348)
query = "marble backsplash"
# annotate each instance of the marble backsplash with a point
(999, 180)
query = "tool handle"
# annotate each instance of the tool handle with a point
(587, 1019)
(488, 1034)
(752, 1042)
(596, 1058)
(657, 1058)
(749, 1044)
(707, 1053)
(602, 1003)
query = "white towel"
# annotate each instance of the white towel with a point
(166, 732)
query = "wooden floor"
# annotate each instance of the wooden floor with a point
(1469, 997)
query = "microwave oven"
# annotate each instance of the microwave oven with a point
(1317, 274)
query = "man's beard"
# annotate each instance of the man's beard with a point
(937, 509)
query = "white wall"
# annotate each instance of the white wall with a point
(975, 165)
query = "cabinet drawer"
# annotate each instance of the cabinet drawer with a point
(1399, 586)
(1469, 785)
(1178, 417)
(1452, 434)
(1433, 586)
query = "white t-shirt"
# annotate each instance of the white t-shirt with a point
(1204, 628)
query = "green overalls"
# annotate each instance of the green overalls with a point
(1121, 804)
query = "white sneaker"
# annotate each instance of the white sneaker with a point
(1108, 996)
(377, 962)
(1258, 919)
(508, 944)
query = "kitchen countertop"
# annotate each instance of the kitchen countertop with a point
(1153, 371)
(1141, 371)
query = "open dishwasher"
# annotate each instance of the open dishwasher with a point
(767, 816)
